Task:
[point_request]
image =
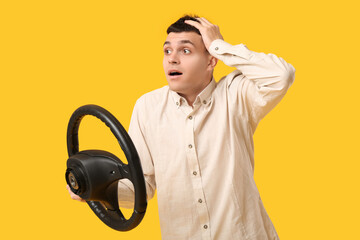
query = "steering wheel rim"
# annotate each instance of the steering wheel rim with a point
(112, 218)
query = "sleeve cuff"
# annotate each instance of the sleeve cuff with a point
(219, 47)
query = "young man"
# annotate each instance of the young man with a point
(195, 136)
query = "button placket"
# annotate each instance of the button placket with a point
(193, 163)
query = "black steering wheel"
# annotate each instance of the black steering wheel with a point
(94, 174)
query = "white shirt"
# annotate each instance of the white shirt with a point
(201, 158)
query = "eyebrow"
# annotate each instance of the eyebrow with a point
(182, 42)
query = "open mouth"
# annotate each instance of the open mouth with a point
(175, 73)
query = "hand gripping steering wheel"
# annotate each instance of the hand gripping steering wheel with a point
(94, 174)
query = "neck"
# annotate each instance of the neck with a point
(190, 98)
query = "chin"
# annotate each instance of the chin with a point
(176, 87)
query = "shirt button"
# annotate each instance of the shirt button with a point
(205, 226)
(216, 48)
(190, 117)
(177, 103)
(190, 146)
(194, 173)
(200, 201)
(204, 102)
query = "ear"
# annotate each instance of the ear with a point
(212, 62)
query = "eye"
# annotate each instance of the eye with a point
(167, 51)
(187, 51)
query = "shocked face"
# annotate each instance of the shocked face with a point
(186, 63)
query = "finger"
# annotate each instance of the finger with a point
(206, 21)
(202, 22)
(77, 198)
(69, 189)
(80, 199)
(73, 195)
(194, 24)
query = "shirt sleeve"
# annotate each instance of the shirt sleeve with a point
(261, 80)
(126, 194)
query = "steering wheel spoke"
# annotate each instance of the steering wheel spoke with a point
(125, 171)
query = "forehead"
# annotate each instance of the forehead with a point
(181, 38)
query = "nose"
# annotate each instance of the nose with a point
(173, 59)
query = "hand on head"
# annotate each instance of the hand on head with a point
(209, 31)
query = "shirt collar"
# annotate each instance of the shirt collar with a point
(204, 97)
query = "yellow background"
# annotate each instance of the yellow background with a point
(58, 55)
